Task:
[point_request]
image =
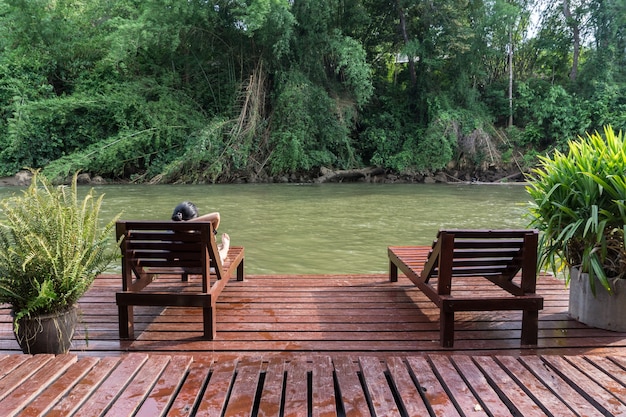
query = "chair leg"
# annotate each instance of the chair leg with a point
(126, 321)
(446, 328)
(530, 327)
(240, 271)
(393, 272)
(210, 323)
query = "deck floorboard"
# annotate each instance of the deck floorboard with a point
(332, 345)
(325, 314)
(141, 384)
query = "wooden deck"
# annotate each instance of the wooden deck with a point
(436, 385)
(334, 314)
(318, 345)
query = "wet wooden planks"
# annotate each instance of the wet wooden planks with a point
(140, 384)
(327, 315)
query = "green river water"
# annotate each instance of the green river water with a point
(328, 228)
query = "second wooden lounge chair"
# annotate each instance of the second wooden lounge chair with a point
(497, 255)
(153, 248)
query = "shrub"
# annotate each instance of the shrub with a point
(579, 203)
(52, 246)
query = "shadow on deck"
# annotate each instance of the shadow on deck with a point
(330, 314)
(319, 345)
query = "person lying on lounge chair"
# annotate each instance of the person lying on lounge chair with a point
(187, 211)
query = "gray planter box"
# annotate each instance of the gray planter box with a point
(604, 311)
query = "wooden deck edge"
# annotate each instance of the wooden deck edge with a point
(440, 385)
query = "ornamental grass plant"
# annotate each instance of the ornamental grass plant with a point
(52, 247)
(578, 204)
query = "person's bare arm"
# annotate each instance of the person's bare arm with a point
(214, 218)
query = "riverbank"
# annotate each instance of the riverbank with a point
(491, 175)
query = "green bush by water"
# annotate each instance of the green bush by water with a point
(579, 204)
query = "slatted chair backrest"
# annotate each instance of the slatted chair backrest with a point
(497, 255)
(154, 247)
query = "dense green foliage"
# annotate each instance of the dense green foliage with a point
(579, 203)
(164, 90)
(52, 246)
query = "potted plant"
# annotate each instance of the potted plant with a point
(52, 246)
(578, 202)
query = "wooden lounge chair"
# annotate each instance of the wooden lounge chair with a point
(153, 248)
(468, 255)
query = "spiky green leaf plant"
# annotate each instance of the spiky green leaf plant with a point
(578, 203)
(52, 246)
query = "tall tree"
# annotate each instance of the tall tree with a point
(574, 25)
(407, 43)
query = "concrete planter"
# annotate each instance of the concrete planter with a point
(604, 311)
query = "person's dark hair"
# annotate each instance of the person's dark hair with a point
(185, 211)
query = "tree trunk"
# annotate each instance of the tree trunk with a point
(405, 37)
(510, 77)
(574, 26)
(348, 174)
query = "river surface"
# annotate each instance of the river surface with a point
(327, 228)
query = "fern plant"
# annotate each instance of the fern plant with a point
(579, 203)
(52, 247)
